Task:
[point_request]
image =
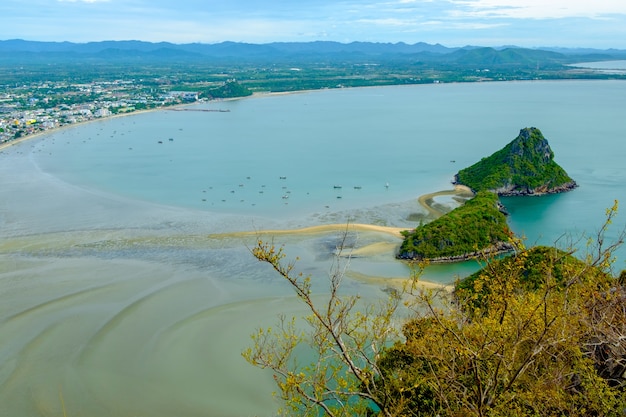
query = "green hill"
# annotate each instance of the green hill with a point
(537, 264)
(523, 167)
(476, 228)
(229, 89)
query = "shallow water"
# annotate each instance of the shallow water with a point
(119, 297)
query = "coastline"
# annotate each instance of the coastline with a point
(127, 291)
(500, 248)
(427, 201)
(39, 134)
(8, 144)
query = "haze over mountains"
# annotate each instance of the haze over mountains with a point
(20, 50)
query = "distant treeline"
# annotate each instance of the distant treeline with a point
(286, 66)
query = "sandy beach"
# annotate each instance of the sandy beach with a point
(428, 200)
(321, 229)
(396, 282)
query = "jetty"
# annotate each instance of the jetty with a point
(201, 110)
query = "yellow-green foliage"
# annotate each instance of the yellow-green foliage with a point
(523, 337)
(523, 358)
(538, 334)
(529, 269)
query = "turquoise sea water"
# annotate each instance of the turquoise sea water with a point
(284, 157)
(605, 67)
(117, 292)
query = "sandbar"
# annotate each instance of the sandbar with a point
(320, 229)
(396, 282)
(372, 249)
(427, 200)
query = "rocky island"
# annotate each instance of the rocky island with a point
(525, 166)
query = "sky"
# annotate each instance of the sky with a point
(527, 23)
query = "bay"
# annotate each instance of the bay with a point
(125, 290)
(604, 67)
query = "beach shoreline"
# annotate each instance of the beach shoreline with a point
(377, 248)
(25, 138)
(12, 142)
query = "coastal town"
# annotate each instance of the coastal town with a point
(30, 109)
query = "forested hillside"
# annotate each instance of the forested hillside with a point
(474, 229)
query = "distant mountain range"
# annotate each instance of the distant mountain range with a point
(20, 50)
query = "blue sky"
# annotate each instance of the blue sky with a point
(528, 23)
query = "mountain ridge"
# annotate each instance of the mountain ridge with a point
(420, 51)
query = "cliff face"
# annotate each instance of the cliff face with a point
(523, 167)
(531, 144)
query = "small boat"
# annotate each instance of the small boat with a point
(357, 187)
(283, 178)
(336, 186)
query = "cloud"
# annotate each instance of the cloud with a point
(538, 9)
(386, 22)
(83, 1)
(451, 22)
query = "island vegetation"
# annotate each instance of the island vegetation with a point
(525, 166)
(540, 333)
(475, 229)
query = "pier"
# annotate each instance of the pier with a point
(202, 110)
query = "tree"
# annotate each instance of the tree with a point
(554, 347)
(345, 336)
(518, 352)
